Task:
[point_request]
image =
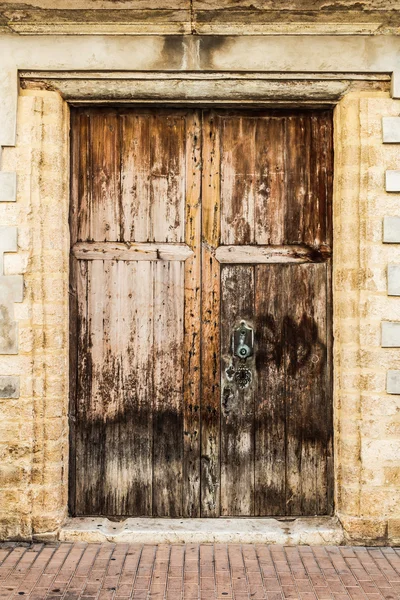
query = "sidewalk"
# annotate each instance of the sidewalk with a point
(121, 571)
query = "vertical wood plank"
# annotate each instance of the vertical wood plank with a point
(81, 176)
(167, 177)
(270, 196)
(77, 322)
(270, 406)
(191, 353)
(306, 387)
(210, 333)
(321, 167)
(237, 412)
(127, 389)
(168, 388)
(295, 149)
(90, 424)
(326, 503)
(135, 173)
(105, 213)
(237, 179)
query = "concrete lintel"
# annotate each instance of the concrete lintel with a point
(390, 334)
(393, 181)
(391, 130)
(391, 230)
(9, 387)
(393, 382)
(393, 277)
(313, 530)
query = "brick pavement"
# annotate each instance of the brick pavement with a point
(238, 572)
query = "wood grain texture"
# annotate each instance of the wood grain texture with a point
(210, 332)
(192, 346)
(129, 179)
(157, 427)
(276, 178)
(130, 251)
(270, 254)
(237, 412)
(306, 388)
(168, 389)
(270, 406)
(104, 207)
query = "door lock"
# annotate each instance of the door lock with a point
(243, 341)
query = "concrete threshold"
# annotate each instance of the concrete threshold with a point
(289, 532)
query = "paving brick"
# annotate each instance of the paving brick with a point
(192, 572)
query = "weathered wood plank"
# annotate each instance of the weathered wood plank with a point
(130, 251)
(135, 178)
(270, 254)
(167, 177)
(237, 179)
(270, 183)
(75, 317)
(210, 332)
(325, 505)
(90, 430)
(270, 406)
(168, 388)
(104, 201)
(306, 387)
(237, 413)
(295, 187)
(191, 352)
(321, 167)
(80, 176)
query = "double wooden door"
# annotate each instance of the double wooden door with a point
(195, 234)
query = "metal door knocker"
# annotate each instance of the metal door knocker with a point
(242, 349)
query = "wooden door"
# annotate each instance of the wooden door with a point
(185, 224)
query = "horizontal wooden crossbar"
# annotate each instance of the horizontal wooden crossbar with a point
(127, 251)
(271, 254)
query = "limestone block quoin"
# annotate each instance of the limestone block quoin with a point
(393, 181)
(8, 187)
(9, 387)
(393, 382)
(391, 130)
(391, 230)
(394, 279)
(390, 334)
(11, 290)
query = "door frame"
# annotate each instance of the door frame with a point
(286, 94)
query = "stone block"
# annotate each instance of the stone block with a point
(9, 387)
(392, 181)
(395, 85)
(393, 277)
(390, 334)
(8, 240)
(8, 187)
(393, 382)
(391, 130)
(394, 531)
(391, 230)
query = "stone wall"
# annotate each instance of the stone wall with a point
(33, 426)
(367, 423)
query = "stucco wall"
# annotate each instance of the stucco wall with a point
(33, 427)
